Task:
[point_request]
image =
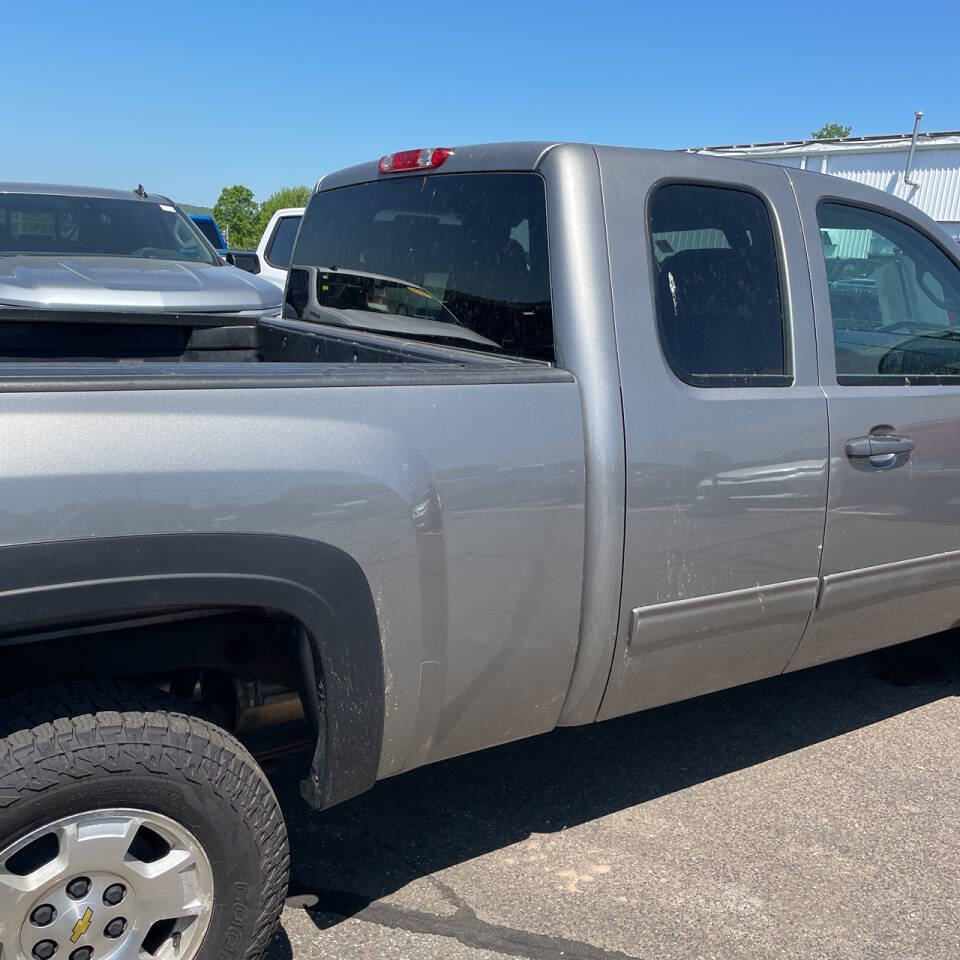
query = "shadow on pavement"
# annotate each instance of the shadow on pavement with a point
(280, 947)
(424, 821)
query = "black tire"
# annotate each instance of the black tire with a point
(73, 748)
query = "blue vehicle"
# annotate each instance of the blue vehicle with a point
(208, 227)
(244, 259)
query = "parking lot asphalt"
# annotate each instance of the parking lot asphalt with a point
(813, 815)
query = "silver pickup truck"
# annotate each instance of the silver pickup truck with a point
(547, 433)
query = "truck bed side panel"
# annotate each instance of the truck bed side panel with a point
(462, 504)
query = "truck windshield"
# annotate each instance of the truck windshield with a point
(53, 225)
(474, 244)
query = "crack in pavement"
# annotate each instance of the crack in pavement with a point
(464, 926)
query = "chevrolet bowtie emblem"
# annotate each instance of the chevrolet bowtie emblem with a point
(81, 926)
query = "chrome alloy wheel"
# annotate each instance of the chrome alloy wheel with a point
(120, 884)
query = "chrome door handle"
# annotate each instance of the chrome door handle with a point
(881, 449)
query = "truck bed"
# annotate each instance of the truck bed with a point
(29, 335)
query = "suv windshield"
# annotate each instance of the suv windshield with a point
(41, 224)
(458, 257)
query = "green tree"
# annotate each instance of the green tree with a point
(831, 131)
(287, 197)
(237, 211)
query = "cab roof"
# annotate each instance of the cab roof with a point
(519, 155)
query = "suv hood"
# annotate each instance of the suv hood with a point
(132, 283)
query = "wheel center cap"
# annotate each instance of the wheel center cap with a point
(61, 926)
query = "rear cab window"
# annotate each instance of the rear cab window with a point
(451, 258)
(720, 310)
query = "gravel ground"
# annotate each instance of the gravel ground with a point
(813, 815)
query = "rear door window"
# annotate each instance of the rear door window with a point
(458, 258)
(894, 298)
(717, 285)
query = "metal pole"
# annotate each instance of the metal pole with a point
(913, 146)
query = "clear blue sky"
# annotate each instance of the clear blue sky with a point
(190, 97)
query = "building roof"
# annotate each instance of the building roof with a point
(878, 161)
(891, 141)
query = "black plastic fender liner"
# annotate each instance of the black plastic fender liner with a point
(74, 582)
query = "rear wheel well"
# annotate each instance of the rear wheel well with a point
(245, 666)
(250, 603)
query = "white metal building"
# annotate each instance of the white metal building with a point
(879, 162)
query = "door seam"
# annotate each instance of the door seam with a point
(826, 411)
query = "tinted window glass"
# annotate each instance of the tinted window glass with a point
(209, 229)
(717, 285)
(458, 258)
(894, 296)
(97, 226)
(280, 248)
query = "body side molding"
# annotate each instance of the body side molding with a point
(660, 625)
(885, 581)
